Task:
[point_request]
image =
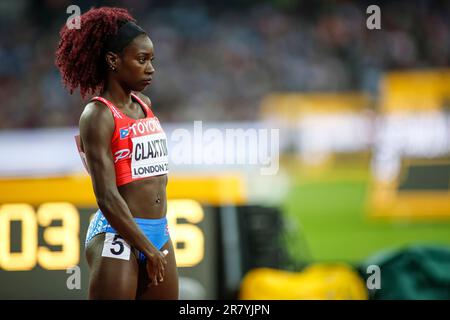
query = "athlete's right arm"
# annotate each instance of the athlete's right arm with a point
(96, 130)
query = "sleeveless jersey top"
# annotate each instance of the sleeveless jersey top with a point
(139, 147)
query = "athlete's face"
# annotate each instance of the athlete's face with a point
(135, 64)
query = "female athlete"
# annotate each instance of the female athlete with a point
(128, 246)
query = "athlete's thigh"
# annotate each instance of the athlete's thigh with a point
(166, 290)
(110, 278)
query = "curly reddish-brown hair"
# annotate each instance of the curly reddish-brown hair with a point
(80, 53)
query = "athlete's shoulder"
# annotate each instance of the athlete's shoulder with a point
(144, 98)
(96, 111)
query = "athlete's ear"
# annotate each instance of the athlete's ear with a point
(111, 60)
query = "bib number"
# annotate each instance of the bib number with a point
(150, 156)
(116, 247)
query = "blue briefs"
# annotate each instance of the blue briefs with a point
(156, 230)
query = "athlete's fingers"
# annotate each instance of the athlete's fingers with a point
(161, 271)
(162, 264)
(152, 270)
(157, 271)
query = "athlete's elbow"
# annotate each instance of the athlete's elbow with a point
(107, 202)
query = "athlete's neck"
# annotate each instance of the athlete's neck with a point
(118, 95)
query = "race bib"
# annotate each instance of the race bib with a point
(149, 154)
(116, 247)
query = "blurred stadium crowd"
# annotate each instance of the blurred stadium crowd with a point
(215, 61)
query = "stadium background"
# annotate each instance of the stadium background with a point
(364, 139)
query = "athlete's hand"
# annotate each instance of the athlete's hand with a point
(156, 263)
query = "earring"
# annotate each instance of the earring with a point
(112, 68)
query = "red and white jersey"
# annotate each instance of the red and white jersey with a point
(139, 147)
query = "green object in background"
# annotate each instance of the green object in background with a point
(420, 272)
(327, 222)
